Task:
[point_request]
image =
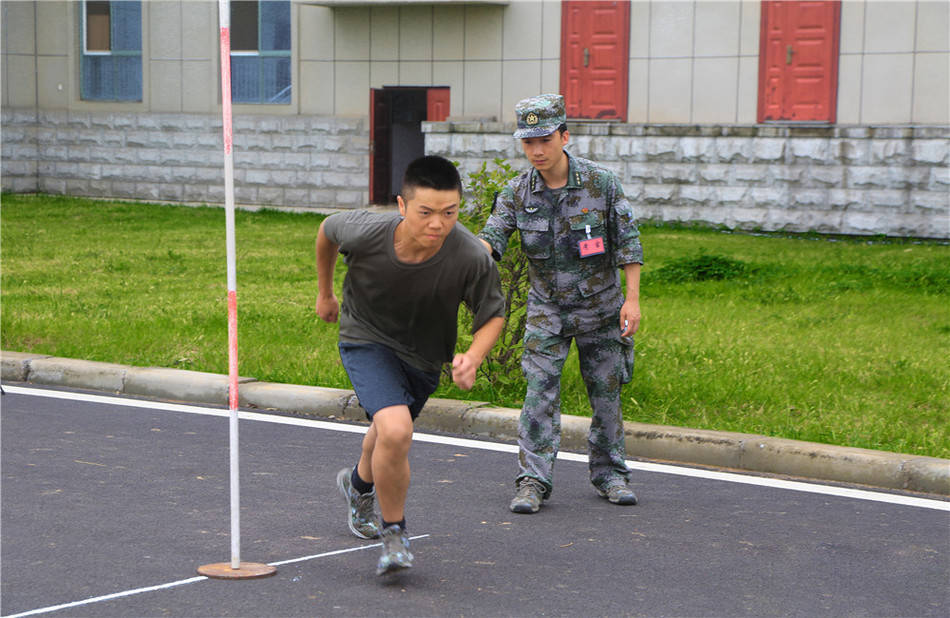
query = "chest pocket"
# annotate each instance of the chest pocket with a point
(536, 238)
(594, 219)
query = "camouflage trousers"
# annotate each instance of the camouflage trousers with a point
(606, 363)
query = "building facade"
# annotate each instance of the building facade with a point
(827, 116)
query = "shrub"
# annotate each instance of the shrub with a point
(702, 267)
(502, 367)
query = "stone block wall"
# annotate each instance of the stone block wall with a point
(890, 180)
(311, 162)
(842, 180)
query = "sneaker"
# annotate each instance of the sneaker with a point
(529, 496)
(361, 511)
(396, 554)
(617, 492)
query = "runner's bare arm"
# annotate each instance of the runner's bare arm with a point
(465, 365)
(327, 305)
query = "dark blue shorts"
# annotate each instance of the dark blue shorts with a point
(381, 379)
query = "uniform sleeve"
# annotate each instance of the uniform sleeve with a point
(501, 223)
(483, 294)
(624, 235)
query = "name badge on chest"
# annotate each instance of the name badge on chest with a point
(591, 246)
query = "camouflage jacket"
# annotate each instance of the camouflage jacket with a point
(569, 294)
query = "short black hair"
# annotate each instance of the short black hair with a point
(431, 172)
(562, 128)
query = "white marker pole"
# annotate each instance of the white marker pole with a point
(224, 12)
(238, 570)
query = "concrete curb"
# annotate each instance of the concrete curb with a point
(656, 442)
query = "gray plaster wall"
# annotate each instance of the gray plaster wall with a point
(311, 162)
(842, 180)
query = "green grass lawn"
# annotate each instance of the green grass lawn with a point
(843, 341)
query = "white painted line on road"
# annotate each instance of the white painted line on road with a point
(182, 582)
(108, 597)
(339, 551)
(730, 477)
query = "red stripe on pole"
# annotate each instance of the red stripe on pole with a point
(232, 350)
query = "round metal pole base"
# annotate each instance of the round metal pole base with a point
(247, 570)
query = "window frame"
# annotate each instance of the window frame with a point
(83, 15)
(111, 52)
(270, 53)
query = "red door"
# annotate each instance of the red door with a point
(798, 60)
(595, 43)
(437, 104)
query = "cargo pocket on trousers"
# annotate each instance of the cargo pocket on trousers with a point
(627, 358)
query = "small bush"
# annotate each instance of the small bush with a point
(703, 267)
(502, 367)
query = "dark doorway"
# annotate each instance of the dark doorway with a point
(396, 138)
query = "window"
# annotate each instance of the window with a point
(260, 51)
(111, 61)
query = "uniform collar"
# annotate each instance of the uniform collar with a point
(573, 177)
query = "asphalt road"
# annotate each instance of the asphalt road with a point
(101, 500)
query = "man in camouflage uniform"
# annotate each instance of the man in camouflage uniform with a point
(577, 230)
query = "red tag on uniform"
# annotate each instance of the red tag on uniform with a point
(591, 246)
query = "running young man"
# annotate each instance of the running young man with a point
(406, 276)
(577, 229)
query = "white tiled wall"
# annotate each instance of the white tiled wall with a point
(53, 31)
(315, 26)
(849, 89)
(198, 40)
(351, 35)
(490, 56)
(382, 73)
(640, 30)
(930, 73)
(932, 63)
(717, 29)
(714, 90)
(638, 86)
(887, 84)
(691, 61)
(482, 77)
(519, 76)
(851, 36)
(351, 88)
(415, 33)
(162, 73)
(933, 26)
(415, 72)
(384, 33)
(747, 90)
(199, 80)
(893, 64)
(750, 15)
(451, 74)
(19, 61)
(671, 29)
(889, 27)
(448, 36)
(669, 89)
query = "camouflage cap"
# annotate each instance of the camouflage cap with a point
(539, 115)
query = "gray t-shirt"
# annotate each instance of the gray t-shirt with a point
(411, 308)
